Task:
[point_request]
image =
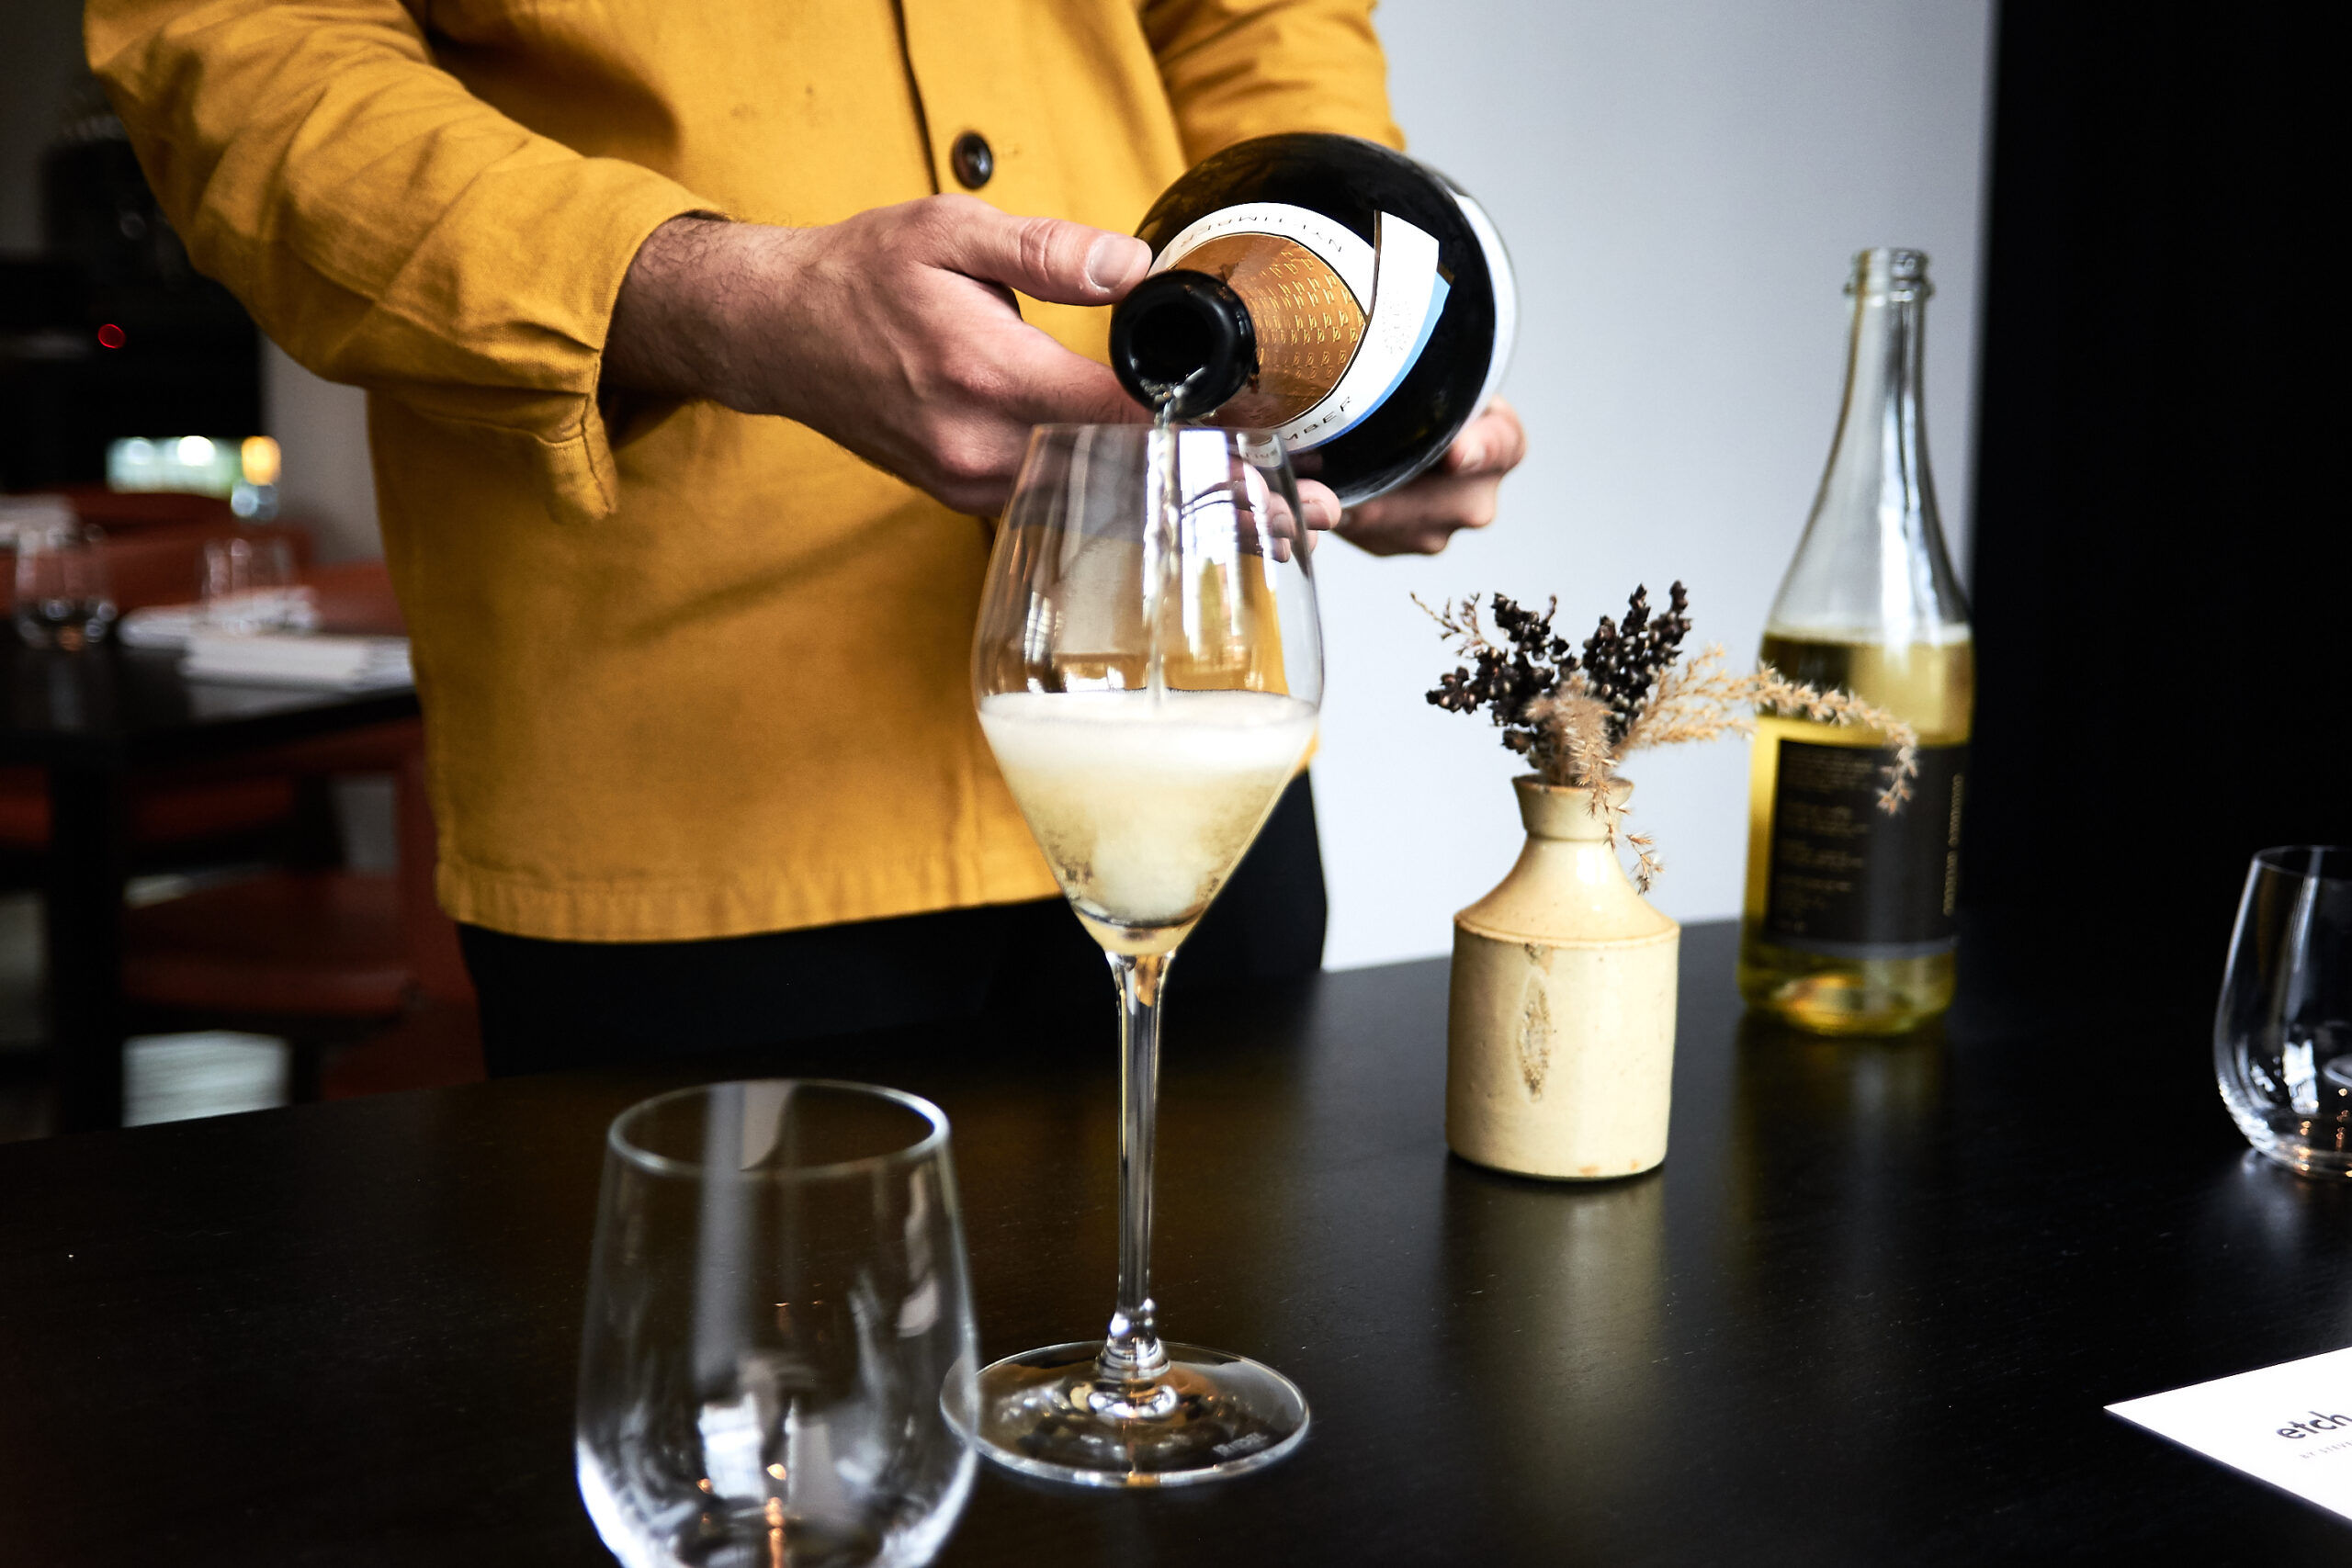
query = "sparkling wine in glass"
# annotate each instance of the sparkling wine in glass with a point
(1147, 668)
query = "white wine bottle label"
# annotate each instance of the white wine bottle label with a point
(1338, 246)
(1394, 287)
(1847, 879)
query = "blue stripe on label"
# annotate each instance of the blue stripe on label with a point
(1439, 289)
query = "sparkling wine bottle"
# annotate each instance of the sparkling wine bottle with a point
(1848, 921)
(1326, 288)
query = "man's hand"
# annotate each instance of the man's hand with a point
(894, 333)
(1457, 492)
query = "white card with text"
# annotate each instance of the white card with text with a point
(2290, 1425)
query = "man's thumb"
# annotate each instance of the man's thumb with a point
(1050, 258)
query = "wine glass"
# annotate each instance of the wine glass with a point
(2282, 1034)
(776, 1297)
(1147, 668)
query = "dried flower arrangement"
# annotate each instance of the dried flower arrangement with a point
(1575, 716)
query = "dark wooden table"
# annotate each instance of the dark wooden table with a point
(94, 721)
(1869, 1311)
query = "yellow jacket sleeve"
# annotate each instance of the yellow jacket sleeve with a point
(1236, 69)
(383, 225)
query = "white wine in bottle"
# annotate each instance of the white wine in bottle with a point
(1847, 924)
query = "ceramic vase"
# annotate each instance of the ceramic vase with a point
(1560, 1026)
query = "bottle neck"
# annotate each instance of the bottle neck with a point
(1182, 343)
(1880, 458)
(1873, 558)
(1255, 328)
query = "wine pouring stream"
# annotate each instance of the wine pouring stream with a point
(1147, 669)
(1132, 1363)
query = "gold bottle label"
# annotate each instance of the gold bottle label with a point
(1308, 324)
(1344, 316)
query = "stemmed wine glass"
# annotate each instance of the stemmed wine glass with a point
(1147, 668)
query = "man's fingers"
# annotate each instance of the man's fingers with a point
(1449, 500)
(1318, 504)
(1494, 443)
(1412, 539)
(1063, 388)
(1045, 258)
(1036, 381)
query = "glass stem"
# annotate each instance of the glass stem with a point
(1131, 1351)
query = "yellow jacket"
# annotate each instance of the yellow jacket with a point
(707, 676)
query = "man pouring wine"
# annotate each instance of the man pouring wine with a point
(687, 383)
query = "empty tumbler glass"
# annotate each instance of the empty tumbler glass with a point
(64, 595)
(246, 585)
(2282, 1037)
(778, 1300)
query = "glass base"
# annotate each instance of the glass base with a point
(2303, 1149)
(2308, 1144)
(1050, 1414)
(2303, 1159)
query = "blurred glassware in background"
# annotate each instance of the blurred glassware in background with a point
(64, 595)
(2283, 1035)
(248, 586)
(34, 514)
(778, 1299)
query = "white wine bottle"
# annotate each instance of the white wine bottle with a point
(1848, 923)
(1326, 288)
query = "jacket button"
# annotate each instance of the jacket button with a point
(973, 160)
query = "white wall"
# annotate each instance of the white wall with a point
(1680, 182)
(322, 429)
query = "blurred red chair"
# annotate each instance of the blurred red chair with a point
(322, 958)
(437, 1042)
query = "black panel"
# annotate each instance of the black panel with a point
(2161, 559)
(113, 333)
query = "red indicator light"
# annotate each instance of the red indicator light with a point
(109, 336)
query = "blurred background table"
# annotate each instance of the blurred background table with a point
(100, 725)
(1872, 1306)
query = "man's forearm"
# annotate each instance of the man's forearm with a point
(677, 324)
(894, 332)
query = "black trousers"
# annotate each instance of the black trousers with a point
(548, 1005)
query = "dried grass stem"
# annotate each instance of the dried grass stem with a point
(1575, 719)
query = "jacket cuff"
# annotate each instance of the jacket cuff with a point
(576, 468)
